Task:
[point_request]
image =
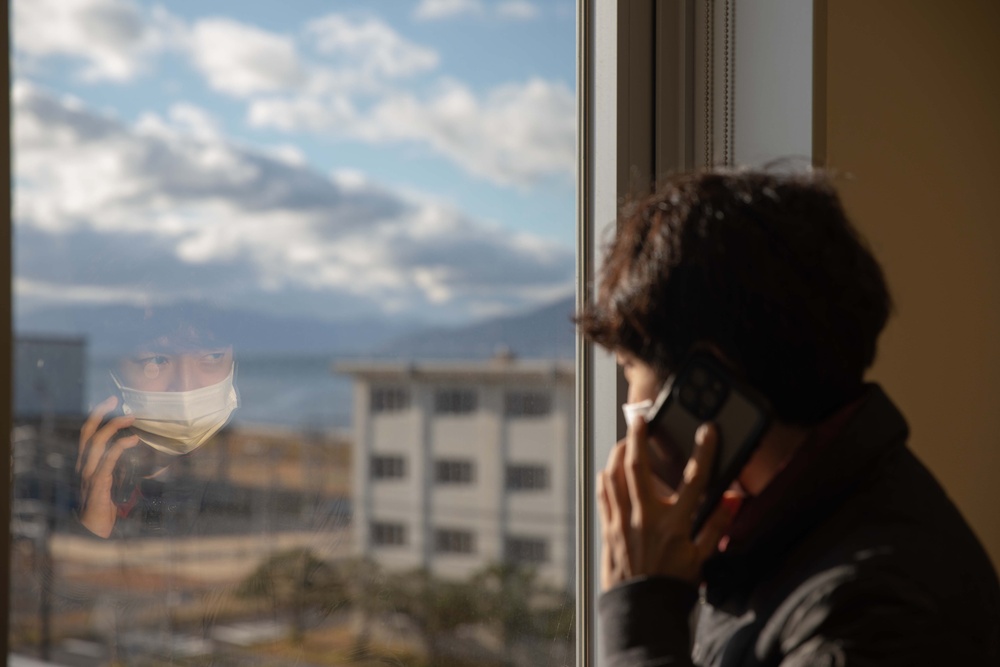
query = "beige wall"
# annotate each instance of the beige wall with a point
(912, 110)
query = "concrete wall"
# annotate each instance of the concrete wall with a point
(912, 108)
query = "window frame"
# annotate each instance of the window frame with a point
(626, 134)
(526, 540)
(455, 405)
(527, 478)
(527, 403)
(445, 538)
(389, 528)
(640, 55)
(382, 467)
(400, 395)
(449, 466)
(6, 327)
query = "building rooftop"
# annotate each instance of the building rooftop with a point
(500, 368)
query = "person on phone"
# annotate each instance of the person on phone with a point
(834, 545)
(173, 390)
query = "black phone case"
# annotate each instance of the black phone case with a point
(704, 390)
(125, 475)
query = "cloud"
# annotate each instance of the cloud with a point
(515, 134)
(520, 10)
(101, 205)
(350, 78)
(431, 10)
(370, 46)
(437, 10)
(114, 39)
(242, 60)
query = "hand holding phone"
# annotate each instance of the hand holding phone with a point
(649, 531)
(704, 390)
(104, 438)
(646, 530)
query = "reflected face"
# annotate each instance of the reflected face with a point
(643, 382)
(152, 368)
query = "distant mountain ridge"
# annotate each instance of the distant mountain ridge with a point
(251, 331)
(545, 332)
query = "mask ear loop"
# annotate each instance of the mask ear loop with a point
(121, 394)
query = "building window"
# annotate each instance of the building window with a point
(527, 403)
(389, 399)
(454, 541)
(527, 478)
(388, 467)
(388, 534)
(526, 550)
(454, 401)
(454, 472)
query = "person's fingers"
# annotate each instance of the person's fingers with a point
(707, 541)
(98, 443)
(615, 456)
(698, 469)
(113, 453)
(603, 505)
(637, 471)
(91, 424)
(618, 502)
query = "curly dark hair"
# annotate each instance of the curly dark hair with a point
(765, 266)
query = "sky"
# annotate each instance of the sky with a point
(348, 158)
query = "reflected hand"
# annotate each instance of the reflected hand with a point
(645, 526)
(98, 454)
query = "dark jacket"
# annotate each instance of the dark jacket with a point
(853, 555)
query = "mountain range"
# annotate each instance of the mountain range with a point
(545, 332)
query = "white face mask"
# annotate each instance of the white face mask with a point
(633, 411)
(178, 422)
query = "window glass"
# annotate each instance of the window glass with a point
(529, 550)
(388, 534)
(454, 541)
(527, 404)
(454, 472)
(527, 478)
(290, 280)
(389, 399)
(388, 467)
(454, 401)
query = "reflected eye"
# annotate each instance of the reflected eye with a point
(155, 360)
(213, 357)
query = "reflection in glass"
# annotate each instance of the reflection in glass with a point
(292, 357)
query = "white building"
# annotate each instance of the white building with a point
(463, 464)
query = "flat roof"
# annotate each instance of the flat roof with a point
(486, 369)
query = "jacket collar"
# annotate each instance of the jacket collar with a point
(841, 453)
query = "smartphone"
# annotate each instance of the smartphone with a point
(126, 473)
(704, 390)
